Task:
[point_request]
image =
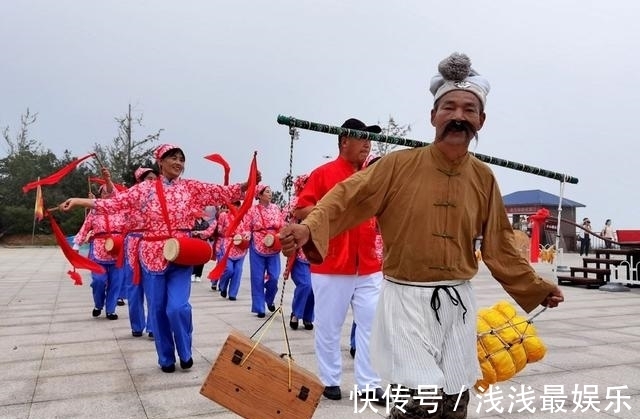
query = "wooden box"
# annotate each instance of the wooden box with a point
(255, 385)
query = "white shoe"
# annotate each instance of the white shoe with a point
(198, 279)
(193, 278)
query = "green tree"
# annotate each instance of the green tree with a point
(26, 160)
(391, 128)
(125, 154)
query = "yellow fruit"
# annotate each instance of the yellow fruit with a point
(506, 343)
(519, 356)
(503, 365)
(522, 326)
(491, 343)
(505, 308)
(534, 348)
(483, 326)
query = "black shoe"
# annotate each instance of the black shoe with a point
(232, 298)
(169, 368)
(294, 322)
(214, 286)
(136, 334)
(150, 335)
(271, 308)
(352, 351)
(112, 316)
(261, 315)
(96, 312)
(185, 365)
(307, 325)
(120, 301)
(332, 392)
(376, 396)
(223, 294)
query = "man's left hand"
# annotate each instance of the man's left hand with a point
(293, 237)
(554, 298)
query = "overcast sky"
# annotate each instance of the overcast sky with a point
(215, 75)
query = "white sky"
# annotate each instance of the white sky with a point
(215, 75)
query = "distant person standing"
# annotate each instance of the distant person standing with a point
(264, 220)
(608, 233)
(237, 242)
(585, 243)
(303, 303)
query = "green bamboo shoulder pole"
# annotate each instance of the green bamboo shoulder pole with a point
(407, 142)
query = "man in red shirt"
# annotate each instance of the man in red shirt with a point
(350, 274)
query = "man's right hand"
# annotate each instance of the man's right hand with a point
(293, 237)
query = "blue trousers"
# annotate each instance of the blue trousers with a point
(136, 294)
(106, 287)
(303, 301)
(263, 291)
(171, 313)
(231, 277)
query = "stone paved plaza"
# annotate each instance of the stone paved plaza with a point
(59, 362)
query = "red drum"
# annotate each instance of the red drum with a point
(240, 242)
(272, 241)
(187, 251)
(113, 244)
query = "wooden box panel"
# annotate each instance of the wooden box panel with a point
(256, 385)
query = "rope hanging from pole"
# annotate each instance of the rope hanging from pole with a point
(288, 185)
(330, 129)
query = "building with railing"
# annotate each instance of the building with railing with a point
(521, 205)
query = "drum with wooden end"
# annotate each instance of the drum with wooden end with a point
(187, 251)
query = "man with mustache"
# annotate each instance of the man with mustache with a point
(431, 203)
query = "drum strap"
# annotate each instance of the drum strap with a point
(165, 215)
(163, 203)
(106, 222)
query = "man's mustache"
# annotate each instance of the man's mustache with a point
(457, 126)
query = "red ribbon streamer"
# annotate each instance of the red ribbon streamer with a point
(57, 176)
(77, 260)
(244, 208)
(217, 158)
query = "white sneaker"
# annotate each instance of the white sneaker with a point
(193, 278)
(198, 279)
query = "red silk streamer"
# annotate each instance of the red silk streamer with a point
(538, 222)
(244, 208)
(100, 181)
(57, 176)
(75, 276)
(217, 158)
(76, 259)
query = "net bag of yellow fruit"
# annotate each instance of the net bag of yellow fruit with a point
(506, 344)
